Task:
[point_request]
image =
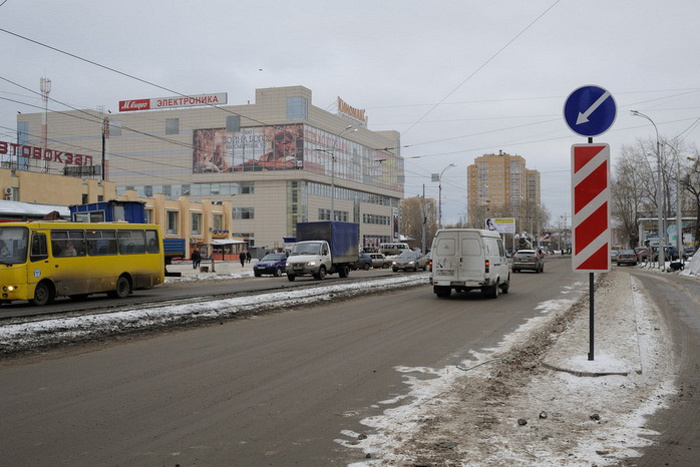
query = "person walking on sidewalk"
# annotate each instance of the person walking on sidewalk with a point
(247, 256)
(242, 258)
(196, 259)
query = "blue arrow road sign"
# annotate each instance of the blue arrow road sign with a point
(590, 110)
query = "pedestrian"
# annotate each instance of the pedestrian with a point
(247, 256)
(196, 259)
(242, 258)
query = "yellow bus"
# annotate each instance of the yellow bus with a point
(40, 261)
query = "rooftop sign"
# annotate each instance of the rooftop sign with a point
(170, 102)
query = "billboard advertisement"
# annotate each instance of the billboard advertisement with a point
(501, 225)
(251, 149)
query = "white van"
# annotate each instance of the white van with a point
(468, 259)
(393, 249)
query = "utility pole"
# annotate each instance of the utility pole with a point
(422, 241)
(45, 87)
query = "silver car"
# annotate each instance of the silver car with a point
(410, 261)
(528, 259)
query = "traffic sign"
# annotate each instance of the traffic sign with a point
(590, 185)
(590, 110)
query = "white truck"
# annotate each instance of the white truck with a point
(469, 259)
(324, 248)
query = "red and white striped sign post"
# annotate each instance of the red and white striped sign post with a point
(590, 187)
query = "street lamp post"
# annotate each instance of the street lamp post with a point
(659, 192)
(349, 128)
(679, 214)
(440, 195)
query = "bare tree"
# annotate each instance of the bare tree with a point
(414, 213)
(690, 182)
(635, 181)
(630, 193)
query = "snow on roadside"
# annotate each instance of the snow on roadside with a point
(53, 331)
(501, 410)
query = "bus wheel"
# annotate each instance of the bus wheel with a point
(43, 294)
(123, 288)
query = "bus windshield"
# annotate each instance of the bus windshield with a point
(13, 245)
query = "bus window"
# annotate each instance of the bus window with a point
(131, 242)
(65, 243)
(152, 241)
(101, 242)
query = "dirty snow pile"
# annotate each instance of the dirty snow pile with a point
(692, 267)
(53, 331)
(510, 406)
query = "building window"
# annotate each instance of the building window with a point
(218, 222)
(196, 220)
(149, 216)
(243, 213)
(172, 223)
(297, 108)
(247, 188)
(172, 126)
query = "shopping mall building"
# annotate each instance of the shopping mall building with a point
(271, 163)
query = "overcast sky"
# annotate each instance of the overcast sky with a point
(457, 78)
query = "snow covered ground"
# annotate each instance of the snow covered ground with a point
(536, 399)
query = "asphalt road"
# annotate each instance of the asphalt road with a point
(178, 290)
(272, 390)
(679, 426)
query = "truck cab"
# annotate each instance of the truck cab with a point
(311, 257)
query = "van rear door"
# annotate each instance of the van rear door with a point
(471, 255)
(445, 258)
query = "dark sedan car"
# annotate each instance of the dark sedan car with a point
(272, 263)
(364, 262)
(528, 259)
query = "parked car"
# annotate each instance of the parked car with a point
(673, 252)
(364, 262)
(642, 253)
(627, 257)
(528, 259)
(689, 251)
(409, 261)
(655, 253)
(271, 263)
(379, 260)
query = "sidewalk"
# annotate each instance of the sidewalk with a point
(619, 322)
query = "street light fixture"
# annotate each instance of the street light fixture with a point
(659, 193)
(350, 129)
(440, 195)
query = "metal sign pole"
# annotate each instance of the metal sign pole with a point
(591, 307)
